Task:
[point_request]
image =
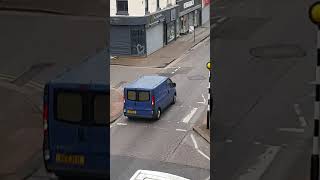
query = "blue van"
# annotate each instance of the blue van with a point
(148, 97)
(76, 120)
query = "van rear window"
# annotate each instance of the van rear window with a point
(101, 108)
(69, 106)
(132, 95)
(138, 95)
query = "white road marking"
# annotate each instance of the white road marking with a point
(179, 67)
(204, 99)
(201, 102)
(296, 130)
(181, 130)
(122, 124)
(265, 159)
(189, 116)
(222, 19)
(175, 70)
(303, 122)
(194, 142)
(203, 154)
(297, 109)
(172, 72)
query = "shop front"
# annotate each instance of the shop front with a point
(189, 15)
(142, 36)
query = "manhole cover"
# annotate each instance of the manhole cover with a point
(278, 51)
(196, 77)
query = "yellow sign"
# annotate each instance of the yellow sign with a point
(208, 65)
(314, 13)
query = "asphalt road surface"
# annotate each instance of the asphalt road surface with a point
(35, 47)
(169, 144)
(264, 61)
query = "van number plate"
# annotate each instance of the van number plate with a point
(70, 159)
(132, 112)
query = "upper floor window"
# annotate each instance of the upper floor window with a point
(122, 7)
(147, 6)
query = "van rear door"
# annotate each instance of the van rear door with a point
(98, 131)
(138, 102)
(68, 131)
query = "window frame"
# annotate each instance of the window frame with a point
(121, 12)
(92, 120)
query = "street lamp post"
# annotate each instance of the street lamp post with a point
(314, 14)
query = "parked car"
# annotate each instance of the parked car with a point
(76, 117)
(148, 97)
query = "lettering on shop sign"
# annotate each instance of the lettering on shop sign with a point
(140, 49)
(155, 18)
(188, 4)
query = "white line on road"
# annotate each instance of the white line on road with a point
(296, 130)
(201, 102)
(222, 19)
(203, 154)
(175, 70)
(204, 99)
(189, 116)
(265, 159)
(303, 122)
(297, 109)
(122, 124)
(181, 130)
(194, 141)
(172, 72)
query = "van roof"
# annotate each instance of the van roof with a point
(146, 82)
(93, 70)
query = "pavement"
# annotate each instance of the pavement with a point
(201, 127)
(164, 56)
(116, 104)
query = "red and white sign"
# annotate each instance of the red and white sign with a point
(206, 2)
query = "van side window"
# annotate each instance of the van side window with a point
(100, 103)
(69, 106)
(131, 95)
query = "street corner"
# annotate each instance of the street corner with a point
(200, 127)
(116, 102)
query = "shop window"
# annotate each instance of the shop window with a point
(122, 7)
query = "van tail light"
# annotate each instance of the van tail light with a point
(153, 101)
(45, 132)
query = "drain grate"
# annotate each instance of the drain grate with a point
(30, 73)
(278, 51)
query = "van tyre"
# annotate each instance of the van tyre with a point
(174, 99)
(158, 114)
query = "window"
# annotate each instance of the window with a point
(100, 108)
(144, 96)
(122, 7)
(138, 96)
(147, 6)
(132, 96)
(68, 106)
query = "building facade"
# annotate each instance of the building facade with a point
(205, 11)
(189, 15)
(141, 27)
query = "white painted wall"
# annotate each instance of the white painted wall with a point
(137, 7)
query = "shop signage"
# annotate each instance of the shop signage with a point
(188, 4)
(156, 18)
(173, 15)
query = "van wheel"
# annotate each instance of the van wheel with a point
(158, 115)
(174, 99)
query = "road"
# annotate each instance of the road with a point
(169, 144)
(264, 61)
(35, 48)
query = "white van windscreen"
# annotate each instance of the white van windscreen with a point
(69, 106)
